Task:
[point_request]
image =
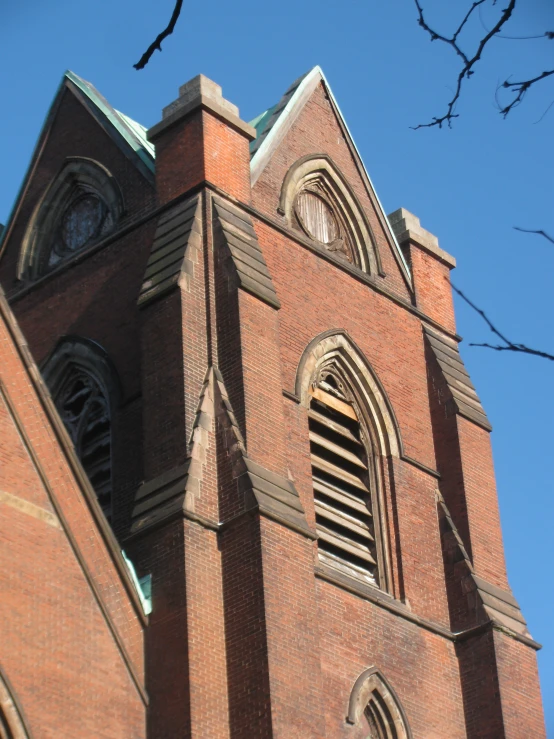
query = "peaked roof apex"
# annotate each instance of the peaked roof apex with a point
(133, 133)
(128, 132)
(273, 125)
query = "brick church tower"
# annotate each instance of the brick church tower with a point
(246, 483)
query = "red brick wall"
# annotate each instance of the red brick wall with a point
(245, 640)
(67, 622)
(519, 685)
(202, 147)
(317, 296)
(480, 688)
(482, 503)
(421, 667)
(432, 288)
(162, 555)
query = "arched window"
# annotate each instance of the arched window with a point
(80, 207)
(374, 704)
(317, 201)
(352, 433)
(83, 406)
(343, 477)
(83, 386)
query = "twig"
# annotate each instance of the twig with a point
(468, 62)
(156, 45)
(521, 88)
(508, 345)
(535, 231)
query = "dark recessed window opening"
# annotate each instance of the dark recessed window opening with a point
(84, 409)
(341, 483)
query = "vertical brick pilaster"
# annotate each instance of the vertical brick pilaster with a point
(481, 502)
(275, 686)
(430, 266)
(201, 137)
(520, 691)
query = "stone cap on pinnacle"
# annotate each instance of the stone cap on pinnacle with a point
(201, 92)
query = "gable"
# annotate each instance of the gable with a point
(307, 122)
(80, 124)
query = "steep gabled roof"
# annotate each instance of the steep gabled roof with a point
(272, 126)
(129, 135)
(133, 133)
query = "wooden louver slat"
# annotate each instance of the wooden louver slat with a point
(85, 412)
(342, 497)
(333, 426)
(342, 543)
(341, 484)
(335, 403)
(322, 464)
(337, 449)
(342, 519)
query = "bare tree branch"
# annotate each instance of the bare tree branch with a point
(468, 62)
(535, 231)
(156, 45)
(520, 89)
(507, 346)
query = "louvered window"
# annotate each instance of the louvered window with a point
(84, 409)
(342, 483)
(320, 218)
(317, 217)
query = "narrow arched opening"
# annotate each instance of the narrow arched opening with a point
(344, 478)
(84, 388)
(352, 431)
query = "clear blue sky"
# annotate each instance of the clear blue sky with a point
(469, 185)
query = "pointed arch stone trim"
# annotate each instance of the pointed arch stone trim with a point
(351, 210)
(13, 724)
(89, 355)
(337, 343)
(50, 208)
(370, 681)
